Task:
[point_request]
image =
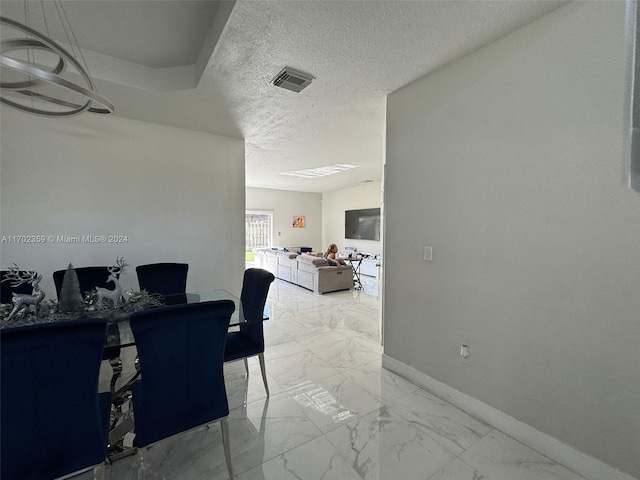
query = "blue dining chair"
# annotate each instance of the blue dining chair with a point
(53, 421)
(249, 340)
(163, 278)
(180, 350)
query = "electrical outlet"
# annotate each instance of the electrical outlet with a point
(428, 253)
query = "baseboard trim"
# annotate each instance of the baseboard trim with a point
(563, 453)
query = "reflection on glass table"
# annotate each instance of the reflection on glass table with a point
(241, 314)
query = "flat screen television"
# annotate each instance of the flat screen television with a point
(362, 224)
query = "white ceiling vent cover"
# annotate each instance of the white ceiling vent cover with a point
(292, 79)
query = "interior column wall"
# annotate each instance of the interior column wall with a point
(507, 162)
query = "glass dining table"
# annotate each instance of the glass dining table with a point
(119, 316)
(122, 336)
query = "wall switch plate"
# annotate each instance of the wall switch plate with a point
(428, 253)
(464, 352)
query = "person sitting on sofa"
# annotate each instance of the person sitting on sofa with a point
(330, 256)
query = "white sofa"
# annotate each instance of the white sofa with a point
(287, 267)
(316, 274)
(306, 270)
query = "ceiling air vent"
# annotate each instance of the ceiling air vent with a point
(292, 79)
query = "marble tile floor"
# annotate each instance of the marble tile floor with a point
(335, 414)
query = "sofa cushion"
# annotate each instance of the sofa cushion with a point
(311, 260)
(286, 263)
(309, 265)
(286, 257)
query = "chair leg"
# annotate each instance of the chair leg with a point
(246, 365)
(226, 445)
(263, 369)
(116, 367)
(98, 472)
(142, 466)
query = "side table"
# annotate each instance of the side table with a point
(355, 263)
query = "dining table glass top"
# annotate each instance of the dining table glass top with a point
(123, 336)
(118, 330)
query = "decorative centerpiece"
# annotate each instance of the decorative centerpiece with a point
(70, 296)
(22, 302)
(115, 295)
(31, 308)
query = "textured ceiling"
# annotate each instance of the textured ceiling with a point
(227, 53)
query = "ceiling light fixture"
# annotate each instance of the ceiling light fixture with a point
(39, 76)
(292, 79)
(320, 171)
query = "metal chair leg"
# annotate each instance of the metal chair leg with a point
(226, 445)
(142, 466)
(246, 365)
(98, 472)
(116, 367)
(263, 369)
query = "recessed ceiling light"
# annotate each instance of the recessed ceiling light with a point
(319, 171)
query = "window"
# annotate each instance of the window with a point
(258, 229)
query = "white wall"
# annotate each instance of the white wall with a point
(336, 202)
(285, 204)
(176, 194)
(507, 162)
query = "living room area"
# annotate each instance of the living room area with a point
(289, 221)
